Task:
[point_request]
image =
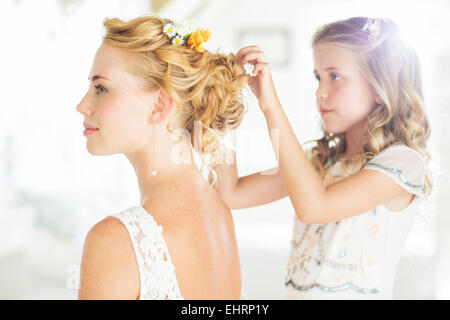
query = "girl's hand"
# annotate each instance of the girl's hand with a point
(261, 82)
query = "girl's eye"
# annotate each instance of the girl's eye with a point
(335, 76)
(99, 89)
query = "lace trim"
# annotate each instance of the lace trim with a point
(400, 175)
(156, 270)
(342, 287)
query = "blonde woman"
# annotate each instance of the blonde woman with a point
(152, 84)
(355, 192)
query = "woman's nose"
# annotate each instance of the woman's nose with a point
(82, 108)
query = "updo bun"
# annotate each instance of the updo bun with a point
(206, 87)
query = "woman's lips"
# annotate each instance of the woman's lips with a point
(88, 131)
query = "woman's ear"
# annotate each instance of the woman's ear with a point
(163, 106)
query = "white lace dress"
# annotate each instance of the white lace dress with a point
(156, 271)
(356, 258)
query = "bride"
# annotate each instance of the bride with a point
(150, 80)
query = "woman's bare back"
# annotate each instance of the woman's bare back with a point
(199, 232)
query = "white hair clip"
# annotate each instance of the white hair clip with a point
(372, 27)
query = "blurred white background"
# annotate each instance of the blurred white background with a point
(52, 191)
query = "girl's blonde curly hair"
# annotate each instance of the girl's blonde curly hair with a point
(393, 70)
(206, 87)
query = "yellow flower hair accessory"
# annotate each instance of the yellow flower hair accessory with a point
(198, 38)
(187, 33)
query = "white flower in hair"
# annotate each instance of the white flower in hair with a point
(187, 33)
(170, 30)
(178, 40)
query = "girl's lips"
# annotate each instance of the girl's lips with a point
(324, 112)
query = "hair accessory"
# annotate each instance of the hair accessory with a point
(372, 27)
(187, 33)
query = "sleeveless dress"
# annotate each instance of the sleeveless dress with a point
(156, 271)
(356, 258)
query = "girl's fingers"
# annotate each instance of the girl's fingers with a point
(243, 51)
(247, 49)
(259, 67)
(253, 57)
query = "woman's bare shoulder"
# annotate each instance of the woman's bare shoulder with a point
(107, 257)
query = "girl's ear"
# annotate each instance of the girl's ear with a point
(163, 106)
(378, 99)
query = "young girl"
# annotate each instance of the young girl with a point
(152, 84)
(355, 192)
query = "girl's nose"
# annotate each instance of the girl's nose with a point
(321, 94)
